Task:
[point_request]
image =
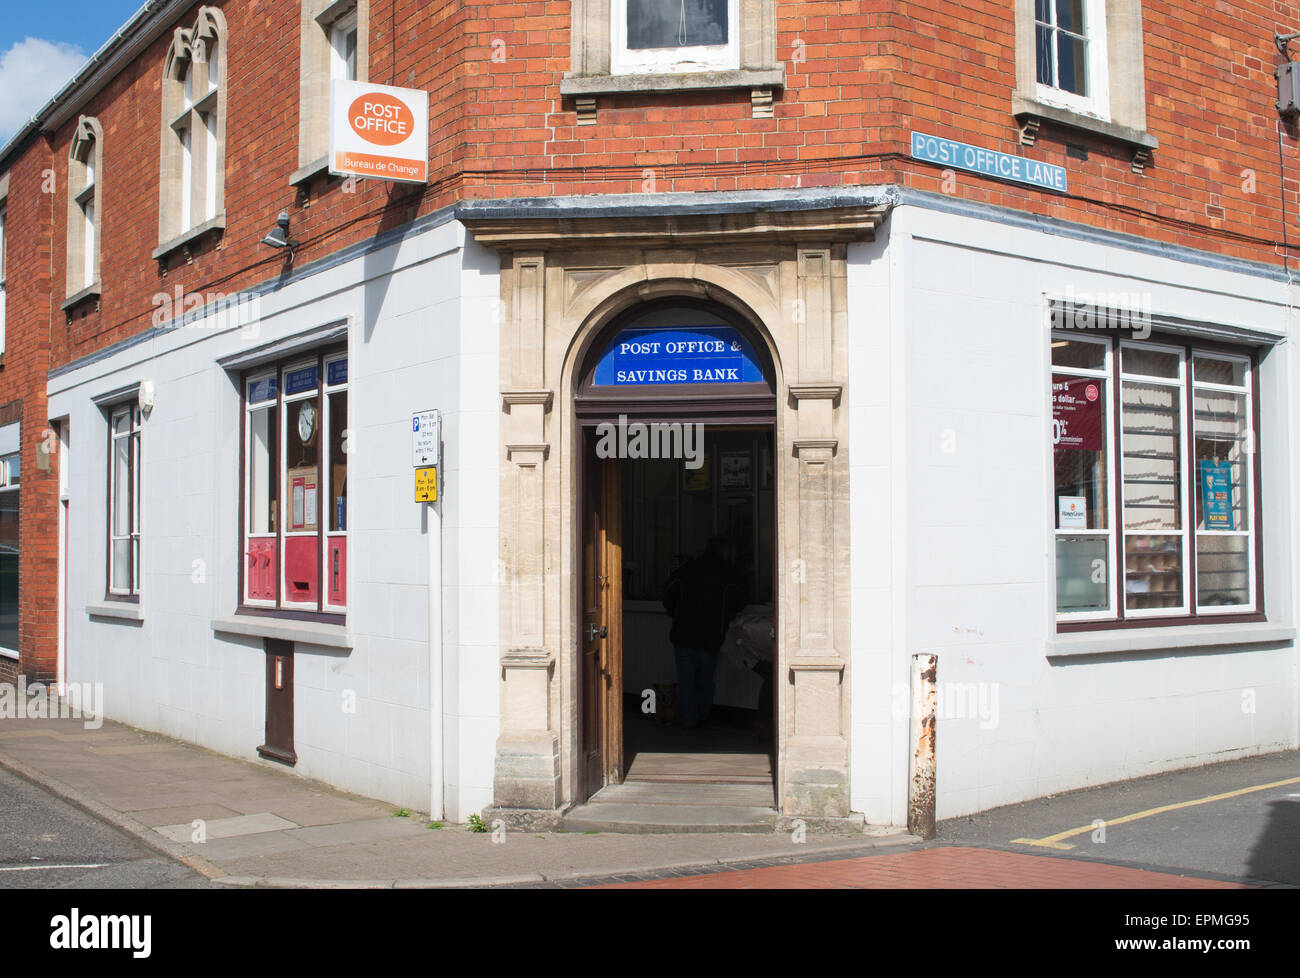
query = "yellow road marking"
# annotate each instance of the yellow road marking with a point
(1054, 841)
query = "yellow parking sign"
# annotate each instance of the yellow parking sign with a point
(426, 484)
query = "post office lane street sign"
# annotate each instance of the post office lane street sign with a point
(426, 485)
(379, 131)
(426, 439)
(1003, 166)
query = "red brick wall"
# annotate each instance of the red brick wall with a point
(867, 73)
(22, 394)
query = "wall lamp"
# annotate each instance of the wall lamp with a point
(278, 236)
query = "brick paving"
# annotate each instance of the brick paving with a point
(948, 867)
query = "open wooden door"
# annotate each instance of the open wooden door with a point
(601, 636)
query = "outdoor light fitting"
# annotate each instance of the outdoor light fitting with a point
(278, 236)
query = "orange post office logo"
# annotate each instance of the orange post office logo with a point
(382, 119)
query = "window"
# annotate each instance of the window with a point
(334, 46)
(1070, 53)
(124, 502)
(1155, 480)
(343, 48)
(9, 483)
(295, 485)
(84, 178)
(673, 45)
(194, 114)
(1079, 64)
(2, 275)
(674, 35)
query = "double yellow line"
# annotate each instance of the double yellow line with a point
(1055, 841)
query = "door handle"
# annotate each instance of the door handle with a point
(595, 631)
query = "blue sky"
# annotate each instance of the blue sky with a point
(43, 43)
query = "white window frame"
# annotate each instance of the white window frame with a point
(9, 486)
(133, 435)
(339, 31)
(713, 57)
(1192, 610)
(1248, 469)
(1096, 102)
(3, 209)
(1113, 572)
(1180, 385)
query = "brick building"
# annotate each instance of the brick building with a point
(1000, 299)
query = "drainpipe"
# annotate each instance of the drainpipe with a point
(920, 792)
(436, 770)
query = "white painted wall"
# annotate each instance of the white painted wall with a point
(952, 550)
(422, 334)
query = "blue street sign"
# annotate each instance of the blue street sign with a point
(1003, 166)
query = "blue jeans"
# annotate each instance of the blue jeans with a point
(694, 684)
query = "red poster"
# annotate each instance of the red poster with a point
(1078, 421)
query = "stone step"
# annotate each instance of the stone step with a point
(641, 806)
(643, 818)
(654, 793)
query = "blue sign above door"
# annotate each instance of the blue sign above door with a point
(678, 355)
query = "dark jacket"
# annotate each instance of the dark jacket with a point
(702, 597)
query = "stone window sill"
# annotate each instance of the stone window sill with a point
(91, 291)
(121, 610)
(216, 224)
(1029, 111)
(288, 629)
(310, 171)
(670, 82)
(1156, 639)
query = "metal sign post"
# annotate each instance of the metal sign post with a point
(426, 444)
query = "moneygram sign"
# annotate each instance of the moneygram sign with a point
(380, 132)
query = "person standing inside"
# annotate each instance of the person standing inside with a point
(702, 597)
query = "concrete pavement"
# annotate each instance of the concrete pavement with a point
(247, 824)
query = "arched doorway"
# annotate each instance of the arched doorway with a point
(676, 412)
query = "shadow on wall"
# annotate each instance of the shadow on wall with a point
(1276, 855)
(378, 262)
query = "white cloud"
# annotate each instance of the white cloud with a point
(31, 72)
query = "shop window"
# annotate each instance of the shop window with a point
(192, 182)
(295, 485)
(1155, 481)
(9, 484)
(85, 171)
(124, 502)
(335, 45)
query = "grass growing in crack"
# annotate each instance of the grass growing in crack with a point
(402, 813)
(475, 824)
(434, 825)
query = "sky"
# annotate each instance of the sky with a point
(42, 45)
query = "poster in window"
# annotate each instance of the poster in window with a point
(1077, 414)
(1216, 494)
(735, 470)
(1072, 512)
